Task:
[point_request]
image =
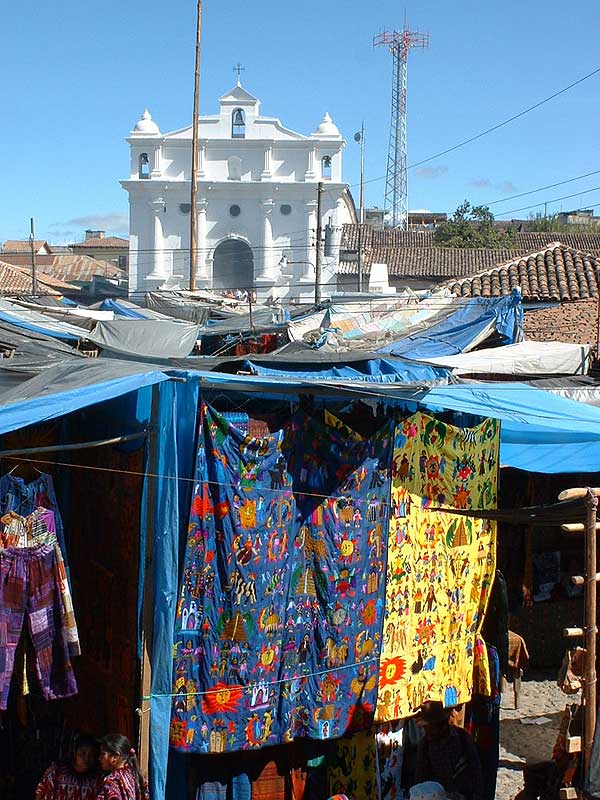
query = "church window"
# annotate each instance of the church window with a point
(144, 166)
(326, 167)
(238, 124)
(234, 210)
(286, 209)
(185, 208)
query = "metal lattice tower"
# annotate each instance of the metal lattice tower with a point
(396, 182)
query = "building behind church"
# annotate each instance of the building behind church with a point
(257, 202)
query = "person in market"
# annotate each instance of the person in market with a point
(122, 779)
(446, 754)
(76, 778)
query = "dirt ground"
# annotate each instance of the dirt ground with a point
(529, 732)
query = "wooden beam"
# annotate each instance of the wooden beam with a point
(589, 686)
(579, 580)
(576, 527)
(572, 633)
(577, 494)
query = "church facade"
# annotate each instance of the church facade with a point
(256, 203)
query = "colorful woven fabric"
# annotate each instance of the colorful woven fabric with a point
(279, 621)
(269, 785)
(440, 565)
(352, 769)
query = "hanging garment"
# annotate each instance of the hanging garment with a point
(278, 625)
(24, 497)
(352, 767)
(269, 785)
(29, 587)
(37, 530)
(482, 721)
(390, 759)
(440, 566)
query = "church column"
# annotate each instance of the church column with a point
(201, 159)
(158, 262)
(310, 171)
(308, 267)
(266, 255)
(156, 165)
(266, 173)
(201, 270)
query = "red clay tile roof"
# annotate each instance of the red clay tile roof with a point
(80, 268)
(17, 280)
(69, 267)
(568, 322)
(23, 245)
(557, 273)
(412, 254)
(109, 242)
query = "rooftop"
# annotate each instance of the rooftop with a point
(557, 273)
(109, 242)
(16, 280)
(413, 254)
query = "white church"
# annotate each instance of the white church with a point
(256, 203)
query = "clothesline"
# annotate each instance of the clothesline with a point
(159, 476)
(129, 437)
(260, 684)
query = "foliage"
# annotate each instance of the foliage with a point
(538, 223)
(472, 226)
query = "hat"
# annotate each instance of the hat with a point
(433, 711)
(429, 790)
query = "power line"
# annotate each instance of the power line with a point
(542, 188)
(555, 200)
(495, 127)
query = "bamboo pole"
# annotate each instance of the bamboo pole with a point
(577, 494)
(589, 687)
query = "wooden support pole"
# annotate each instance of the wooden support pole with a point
(579, 580)
(576, 527)
(573, 633)
(589, 686)
(577, 494)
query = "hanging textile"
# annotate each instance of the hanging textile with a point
(352, 768)
(440, 565)
(278, 625)
(232, 602)
(334, 614)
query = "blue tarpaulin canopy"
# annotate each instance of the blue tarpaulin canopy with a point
(465, 328)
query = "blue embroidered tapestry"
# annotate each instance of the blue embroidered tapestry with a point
(278, 627)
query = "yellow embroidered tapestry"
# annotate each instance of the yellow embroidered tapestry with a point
(440, 565)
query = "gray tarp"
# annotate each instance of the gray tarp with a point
(146, 338)
(177, 307)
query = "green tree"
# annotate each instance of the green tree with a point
(472, 226)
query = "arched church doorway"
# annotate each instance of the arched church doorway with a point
(233, 265)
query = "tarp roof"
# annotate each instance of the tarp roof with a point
(523, 358)
(35, 322)
(62, 389)
(146, 338)
(465, 328)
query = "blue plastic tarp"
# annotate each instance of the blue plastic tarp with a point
(62, 389)
(120, 310)
(459, 331)
(376, 370)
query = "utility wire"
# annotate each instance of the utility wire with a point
(555, 200)
(494, 127)
(542, 188)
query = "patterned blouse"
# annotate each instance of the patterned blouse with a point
(60, 782)
(122, 784)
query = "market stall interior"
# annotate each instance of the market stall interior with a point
(296, 570)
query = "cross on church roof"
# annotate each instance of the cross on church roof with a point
(239, 69)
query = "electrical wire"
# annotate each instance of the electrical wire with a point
(541, 189)
(554, 200)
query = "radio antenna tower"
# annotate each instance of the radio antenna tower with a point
(396, 182)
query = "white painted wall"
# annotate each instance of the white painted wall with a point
(269, 168)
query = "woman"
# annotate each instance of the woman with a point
(122, 778)
(76, 779)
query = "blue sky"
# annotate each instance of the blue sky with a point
(76, 78)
